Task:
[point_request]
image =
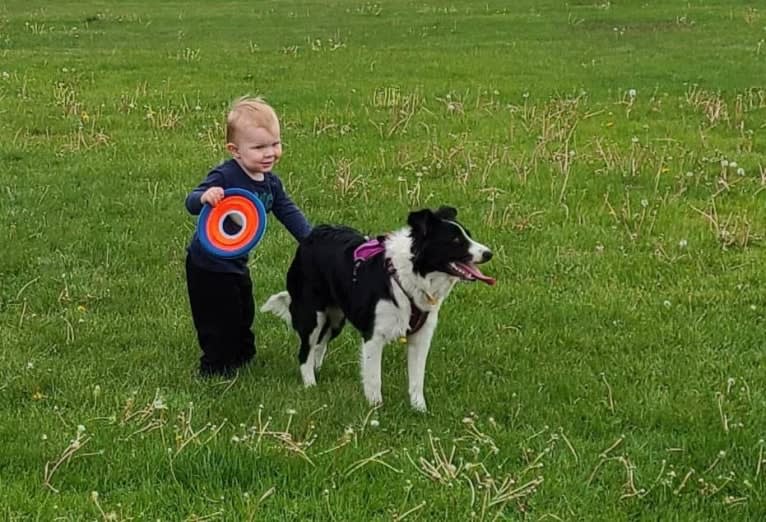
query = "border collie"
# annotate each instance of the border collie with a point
(387, 288)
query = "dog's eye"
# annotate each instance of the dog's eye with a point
(456, 240)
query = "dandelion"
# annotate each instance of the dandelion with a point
(291, 411)
(30, 365)
(733, 164)
(690, 174)
(374, 423)
(683, 243)
(666, 303)
(43, 437)
(80, 429)
(724, 163)
(740, 171)
(631, 92)
(635, 139)
(644, 203)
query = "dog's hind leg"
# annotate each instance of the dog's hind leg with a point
(332, 327)
(309, 325)
(417, 353)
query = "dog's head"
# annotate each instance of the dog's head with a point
(441, 244)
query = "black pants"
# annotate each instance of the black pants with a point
(223, 310)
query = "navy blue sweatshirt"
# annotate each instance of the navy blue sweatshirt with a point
(271, 193)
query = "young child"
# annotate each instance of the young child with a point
(220, 290)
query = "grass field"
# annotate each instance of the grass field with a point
(611, 153)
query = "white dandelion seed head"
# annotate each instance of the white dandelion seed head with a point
(644, 203)
(724, 163)
(631, 92)
(733, 164)
(374, 423)
(683, 243)
(80, 428)
(740, 171)
(666, 303)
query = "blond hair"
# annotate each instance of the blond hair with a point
(249, 110)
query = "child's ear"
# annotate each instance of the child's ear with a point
(233, 150)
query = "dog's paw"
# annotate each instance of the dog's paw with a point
(307, 373)
(418, 404)
(374, 397)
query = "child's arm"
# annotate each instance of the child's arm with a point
(194, 200)
(288, 213)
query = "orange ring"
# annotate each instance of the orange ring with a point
(229, 205)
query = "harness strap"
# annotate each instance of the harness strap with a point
(373, 248)
(418, 317)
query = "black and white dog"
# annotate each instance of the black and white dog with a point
(387, 288)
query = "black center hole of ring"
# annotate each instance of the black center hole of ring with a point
(232, 224)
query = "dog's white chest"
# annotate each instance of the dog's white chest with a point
(391, 320)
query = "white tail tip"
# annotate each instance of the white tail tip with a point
(279, 305)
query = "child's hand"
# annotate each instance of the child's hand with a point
(212, 196)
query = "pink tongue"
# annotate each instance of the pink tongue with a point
(475, 272)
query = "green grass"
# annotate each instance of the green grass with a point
(618, 366)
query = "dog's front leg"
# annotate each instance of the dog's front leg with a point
(372, 355)
(417, 353)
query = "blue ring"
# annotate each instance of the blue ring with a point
(228, 254)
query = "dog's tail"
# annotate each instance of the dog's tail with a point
(279, 305)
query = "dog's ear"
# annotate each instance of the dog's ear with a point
(448, 213)
(420, 221)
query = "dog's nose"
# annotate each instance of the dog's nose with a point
(486, 256)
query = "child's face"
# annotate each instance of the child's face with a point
(255, 148)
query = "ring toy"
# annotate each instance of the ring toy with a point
(241, 207)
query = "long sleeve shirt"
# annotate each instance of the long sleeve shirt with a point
(272, 194)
